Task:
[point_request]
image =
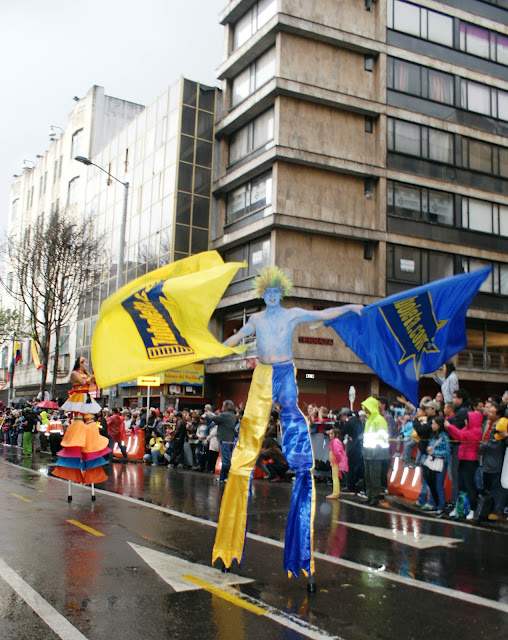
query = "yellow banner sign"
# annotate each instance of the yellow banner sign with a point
(190, 374)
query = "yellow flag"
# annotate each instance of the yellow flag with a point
(160, 320)
(35, 355)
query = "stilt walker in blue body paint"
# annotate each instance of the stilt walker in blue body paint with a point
(274, 380)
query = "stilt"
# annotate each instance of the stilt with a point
(311, 586)
(69, 495)
(93, 492)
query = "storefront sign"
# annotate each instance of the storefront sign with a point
(249, 363)
(191, 374)
(328, 342)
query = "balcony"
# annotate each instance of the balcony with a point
(64, 365)
(490, 361)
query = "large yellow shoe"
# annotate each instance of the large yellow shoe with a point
(494, 516)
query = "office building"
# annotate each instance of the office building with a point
(362, 146)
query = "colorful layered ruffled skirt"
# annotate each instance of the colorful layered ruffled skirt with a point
(82, 456)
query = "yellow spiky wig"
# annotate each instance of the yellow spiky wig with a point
(271, 278)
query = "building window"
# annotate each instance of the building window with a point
(417, 140)
(491, 283)
(478, 155)
(64, 340)
(419, 203)
(437, 27)
(404, 137)
(420, 81)
(440, 146)
(14, 209)
(252, 136)
(488, 217)
(420, 22)
(482, 42)
(254, 77)
(250, 197)
(77, 139)
(72, 194)
(485, 100)
(253, 20)
(474, 40)
(256, 254)
(440, 87)
(484, 157)
(412, 266)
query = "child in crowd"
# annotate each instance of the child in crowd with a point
(434, 468)
(156, 449)
(338, 461)
(405, 438)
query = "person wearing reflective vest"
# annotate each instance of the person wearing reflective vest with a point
(375, 449)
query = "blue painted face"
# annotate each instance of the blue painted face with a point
(272, 296)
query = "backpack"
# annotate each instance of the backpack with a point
(462, 505)
(484, 506)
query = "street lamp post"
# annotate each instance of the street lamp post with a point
(121, 256)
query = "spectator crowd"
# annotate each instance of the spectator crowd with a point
(449, 435)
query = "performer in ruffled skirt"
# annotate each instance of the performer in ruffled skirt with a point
(82, 456)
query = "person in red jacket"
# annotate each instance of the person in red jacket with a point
(116, 429)
(469, 438)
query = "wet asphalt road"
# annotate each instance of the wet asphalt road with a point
(100, 569)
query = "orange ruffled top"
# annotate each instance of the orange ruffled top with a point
(82, 456)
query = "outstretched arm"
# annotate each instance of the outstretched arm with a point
(308, 315)
(247, 330)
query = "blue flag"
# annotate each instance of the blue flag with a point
(413, 332)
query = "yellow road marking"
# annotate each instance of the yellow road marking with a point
(85, 527)
(226, 596)
(16, 495)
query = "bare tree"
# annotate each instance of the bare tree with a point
(55, 263)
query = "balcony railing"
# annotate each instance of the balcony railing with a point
(490, 361)
(64, 364)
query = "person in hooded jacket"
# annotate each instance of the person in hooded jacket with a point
(493, 448)
(469, 437)
(376, 448)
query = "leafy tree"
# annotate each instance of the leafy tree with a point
(55, 263)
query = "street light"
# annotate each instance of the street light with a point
(121, 257)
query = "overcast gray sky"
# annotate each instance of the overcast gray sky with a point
(52, 50)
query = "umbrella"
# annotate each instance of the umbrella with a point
(47, 404)
(18, 401)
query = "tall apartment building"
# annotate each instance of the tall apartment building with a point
(362, 146)
(54, 181)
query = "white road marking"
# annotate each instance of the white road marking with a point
(408, 537)
(186, 576)
(172, 569)
(348, 564)
(48, 614)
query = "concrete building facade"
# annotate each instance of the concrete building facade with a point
(362, 147)
(165, 153)
(54, 181)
